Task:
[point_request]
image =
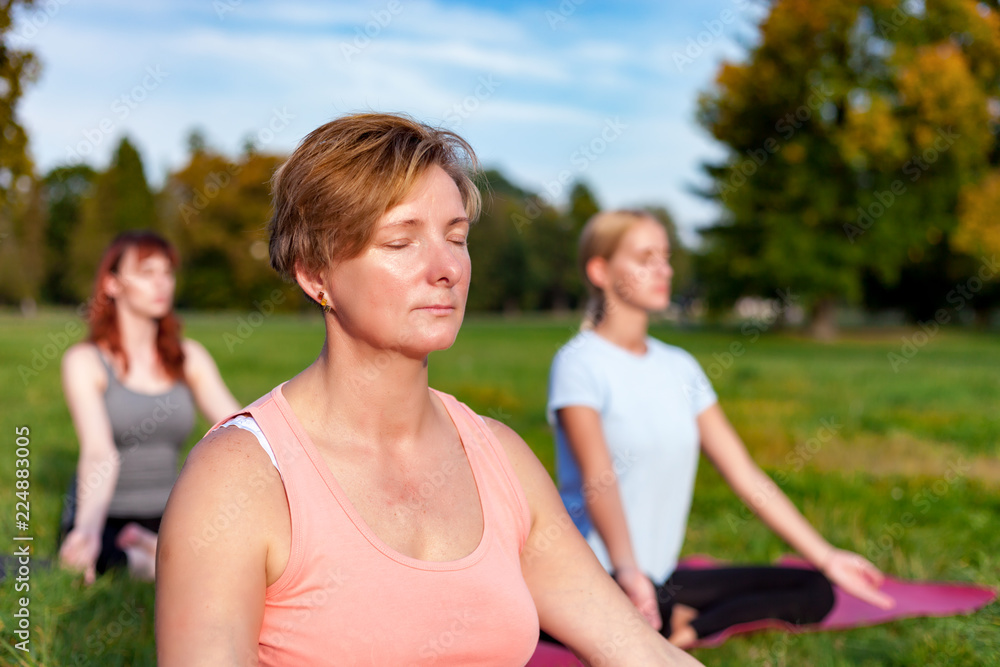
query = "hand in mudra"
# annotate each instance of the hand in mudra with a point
(79, 551)
(857, 576)
(642, 593)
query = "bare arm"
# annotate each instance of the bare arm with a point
(577, 602)
(210, 392)
(84, 381)
(582, 426)
(724, 448)
(210, 584)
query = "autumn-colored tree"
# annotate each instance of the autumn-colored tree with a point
(217, 210)
(855, 128)
(21, 218)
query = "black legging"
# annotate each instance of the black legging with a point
(727, 596)
(731, 595)
(110, 556)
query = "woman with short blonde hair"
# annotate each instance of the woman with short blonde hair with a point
(370, 519)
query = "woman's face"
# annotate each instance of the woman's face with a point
(144, 286)
(638, 273)
(407, 290)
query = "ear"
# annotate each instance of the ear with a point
(112, 286)
(596, 269)
(311, 284)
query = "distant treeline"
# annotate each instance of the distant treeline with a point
(215, 209)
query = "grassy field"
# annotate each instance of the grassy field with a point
(920, 441)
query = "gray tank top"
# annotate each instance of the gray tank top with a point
(149, 430)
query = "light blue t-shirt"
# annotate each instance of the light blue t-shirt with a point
(648, 406)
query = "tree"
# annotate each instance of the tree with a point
(552, 245)
(682, 284)
(853, 128)
(21, 222)
(65, 191)
(121, 200)
(503, 273)
(217, 209)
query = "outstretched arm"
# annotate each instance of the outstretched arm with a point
(210, 392)
(724, 448)
(577, 602)
(84, 380)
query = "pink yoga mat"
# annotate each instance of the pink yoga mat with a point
(913, 599)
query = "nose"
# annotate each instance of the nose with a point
(447, 265)
(167, 281)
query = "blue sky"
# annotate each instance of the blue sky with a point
(545, 91)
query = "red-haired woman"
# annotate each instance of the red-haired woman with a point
(131, 389)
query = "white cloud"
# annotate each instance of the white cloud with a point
(555, 88)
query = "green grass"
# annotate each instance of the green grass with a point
(896, 433)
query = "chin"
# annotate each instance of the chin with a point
(422, 343)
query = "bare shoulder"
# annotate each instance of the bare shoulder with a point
(227, 479)
(532, 475)
(195, 354)
(83, 356)
(231, 458)
(516, 448)
(82, 367)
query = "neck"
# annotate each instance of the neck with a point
(137, 333)
(363, 393)
(625, 326)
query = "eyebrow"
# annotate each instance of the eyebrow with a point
(415, 221)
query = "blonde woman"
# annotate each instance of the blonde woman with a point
(631, 416)
(360, 516)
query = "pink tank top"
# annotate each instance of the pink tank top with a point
(346, 598)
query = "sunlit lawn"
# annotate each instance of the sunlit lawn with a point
(923, 440)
